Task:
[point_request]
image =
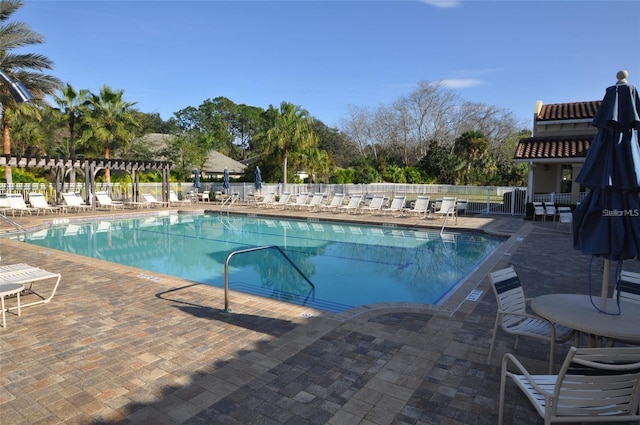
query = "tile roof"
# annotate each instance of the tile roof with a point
(553, 147)
(568, 111)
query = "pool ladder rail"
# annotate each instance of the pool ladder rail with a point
(17, 226)
(257, 248)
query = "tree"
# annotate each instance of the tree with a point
(25, 67)
(109, 122)
(470, 148)
(291, 132)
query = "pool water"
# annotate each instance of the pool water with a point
(349, 264)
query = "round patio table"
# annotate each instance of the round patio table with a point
(576, 312)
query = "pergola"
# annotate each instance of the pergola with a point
(90, 167)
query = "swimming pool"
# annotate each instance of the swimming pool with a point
(349, 264)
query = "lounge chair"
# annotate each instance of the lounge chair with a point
(173, 199)
(420, 206)
(315, 202)
(447, 208)
(374, 205)
(513, 318)
(266, 199)
(300, 202)
(74, 202)
(27, 275)
(336, 202)
(539, 209)
(38, 201)
(17, 204)
(152, 201)
(397, 205)
(352, 205)
(282, 201)
(593, 385)
(105, 202)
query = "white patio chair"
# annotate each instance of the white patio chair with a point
(74, 202)
(513, 318)
(173, 199)
(420, 206)
(375, 205)
(315, 202)
(105, 202)
(300, 202)
(593, 385)
(17, 204)
(352, 205)
(538, 210)
(447, 209)
(397, 205)
(565, 216)
(335, 203)
(152, 201)
(628, 288)
(38, 201)
(550, 210)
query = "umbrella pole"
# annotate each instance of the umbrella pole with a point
(605, 285)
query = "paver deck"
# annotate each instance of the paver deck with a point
(118, 345)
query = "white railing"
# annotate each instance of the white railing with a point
(481, 199)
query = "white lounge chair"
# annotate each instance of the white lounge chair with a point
(27, 275)
(335, 203)
(397, 205)
(420, 206)
(352, 205)
(593, 385)
(74, 202)
(513, 318)
(17, 204)
(447, 208)
(266, 199)
(173, 199)
(152, 201)
(315, 202)
(300, 202)
(375, 204)
(105, 202)
(38, 201)
(282, 201)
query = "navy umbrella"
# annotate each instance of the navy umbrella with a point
(196, 178)
(225, 179)
(607, 222)
(258, 179)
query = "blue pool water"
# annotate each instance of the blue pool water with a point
(349, 264)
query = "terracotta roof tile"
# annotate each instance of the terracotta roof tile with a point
(553, 147)
(569, 111)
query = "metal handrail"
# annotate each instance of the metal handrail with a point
(256, 248)
(13, 223)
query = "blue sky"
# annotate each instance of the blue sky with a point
(326, 55)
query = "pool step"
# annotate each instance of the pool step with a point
(289, 297)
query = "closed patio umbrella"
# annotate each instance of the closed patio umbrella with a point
(258, 179)
(225, 179)
(196, 178)
(607, 222)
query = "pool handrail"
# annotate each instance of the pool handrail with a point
(256, 248)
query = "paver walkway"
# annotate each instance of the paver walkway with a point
(122, 346)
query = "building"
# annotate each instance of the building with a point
(562, 135)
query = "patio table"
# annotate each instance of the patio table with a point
(576, 312)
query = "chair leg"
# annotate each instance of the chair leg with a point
(493, 340)
(552, 357)
(503, 384)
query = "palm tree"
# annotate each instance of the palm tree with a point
(24, 67)
(70, 103)
(292, 130)
(109, 122)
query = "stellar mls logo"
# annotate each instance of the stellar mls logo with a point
(621, 213)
